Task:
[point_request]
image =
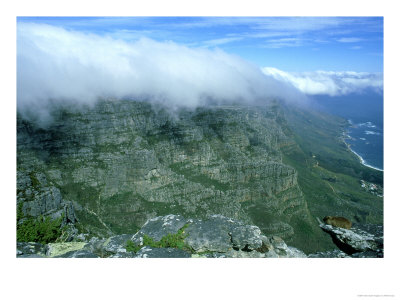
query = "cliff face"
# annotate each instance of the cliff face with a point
(121, 163)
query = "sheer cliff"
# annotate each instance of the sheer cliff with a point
(119, 163)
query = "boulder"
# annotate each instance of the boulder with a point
(355, 240)
(117, 244)
(246, 237)
(213, 234)
(158, 227)
(58, 249)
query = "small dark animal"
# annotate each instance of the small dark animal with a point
(338, 222)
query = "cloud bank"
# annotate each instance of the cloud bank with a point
(328, 82)
(57, 66)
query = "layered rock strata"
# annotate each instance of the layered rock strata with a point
(119, 163)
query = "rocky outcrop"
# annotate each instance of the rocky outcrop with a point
(215, 237)
(36, 197)
(356, 241)
(158, 227)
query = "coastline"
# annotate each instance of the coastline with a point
(346, 136)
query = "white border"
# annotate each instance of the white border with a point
(196, 278)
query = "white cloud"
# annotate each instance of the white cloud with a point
(284, 42)
(328, 82)
(350, 40)
(216, 42)
(56, 66)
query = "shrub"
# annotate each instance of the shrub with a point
(40, 230)
(131, 247)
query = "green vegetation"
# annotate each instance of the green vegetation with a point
(209, 161)
(203, 179)
(132, 247)
(34, 180)
(176, 240)
(40, 230)
(328, 173)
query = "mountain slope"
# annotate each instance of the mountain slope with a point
(123, 162)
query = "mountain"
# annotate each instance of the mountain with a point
(105, 170)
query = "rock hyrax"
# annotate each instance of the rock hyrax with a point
(338, 222)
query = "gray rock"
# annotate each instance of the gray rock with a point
(282, 250)
(96, 245)
(78, 254)
(69, 234)
(148, 252)
(38, 197)
(329, 254)
(354, 240)
(27, 248)
(30, 256)
(266, 245)
(212, 234)
(123, 255)
(82, 237)
(117, 244)
(158, 227)
(368, 254)
(246, 237)
(244, 254)
(294, 253)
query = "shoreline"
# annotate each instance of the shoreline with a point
(358, 155)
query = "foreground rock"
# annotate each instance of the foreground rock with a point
(357, 242)
(216, 237)
(213, 237)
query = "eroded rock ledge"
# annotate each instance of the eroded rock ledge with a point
(216, 236)
(359, 241)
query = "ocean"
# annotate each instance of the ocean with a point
(365, 115)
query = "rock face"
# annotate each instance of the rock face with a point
(118, 164)
(216, 237)
(357, 242)
(36, 196)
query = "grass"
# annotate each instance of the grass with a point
(170, 240)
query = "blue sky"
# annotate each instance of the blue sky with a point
(287, 43)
